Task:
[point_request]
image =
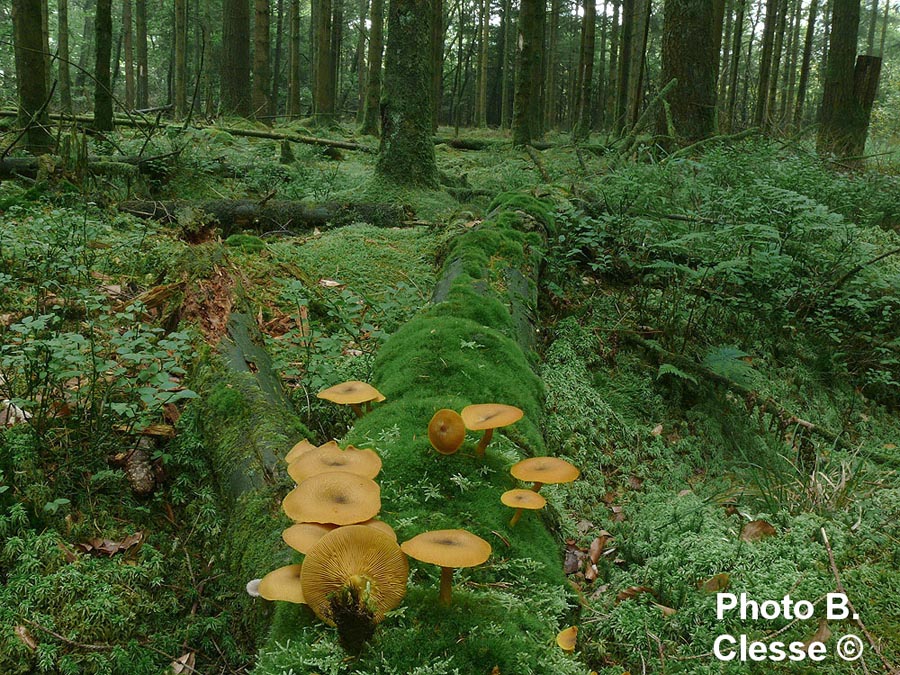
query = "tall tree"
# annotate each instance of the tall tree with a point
(128, 39)
(407, 150)
(235, 75)
(765, 62)
(31, 78)
(612, 79)
(361, 61)
(261, 58)
(528, 70)
(323, 80)
(777, 49)
(65, 81)
(179, 87)
(293, 102)
(637, 59)
(103, 102)
(849, 86)
(873, 22)
(804, 66)
(140, 33)
(436, 50)
(586, 70)
(507, 66)
(735, 64)
(553, 95)
(276, 59)
(373, 83)
(485, 24)
(690, 57)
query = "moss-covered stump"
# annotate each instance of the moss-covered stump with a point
(461, 350)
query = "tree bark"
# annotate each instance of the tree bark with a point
(140, 29)
(553, 94)
(528, 72)
(735, 65)
(586, 67)
(481, 110)
(65, 80)
(276, 61)
(612, 80)
(179, 87)
(261, 72)
(323, 93)
(842, 114)
(103, 102)
(689, 57)
(373, 84)
(789, 82)
(235, 75)
(508, 66)
(31, 76)
(128, 44)
(361, 62)
(635, 91)
(407, 151)
(873, 22)
(436, 50)
(777, 50)
(337, 41)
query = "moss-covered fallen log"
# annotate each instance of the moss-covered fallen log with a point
(235, 215)
(461, 350)
(31, 167)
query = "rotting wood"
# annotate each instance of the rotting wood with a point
(272, 216)
(30, 167)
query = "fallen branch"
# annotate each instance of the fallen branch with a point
(273, 215)
(752, 398)
(630, 140)
(29, 167)
(538, 162)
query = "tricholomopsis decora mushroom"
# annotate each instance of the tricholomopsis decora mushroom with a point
(487, 417)
(449, 549)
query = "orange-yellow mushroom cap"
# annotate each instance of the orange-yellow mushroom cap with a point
(331, 458)
(446, 431)
(334, 497)
(283, 584)
(299, 449)
(566, 638)
(523, 499)
(448, 548)
(490, 416)
(353, 392)
(545, 470)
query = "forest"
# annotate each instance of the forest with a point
(449, 337)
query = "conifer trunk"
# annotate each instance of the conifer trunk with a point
(765, 63)
(235, 75)
(276, 60)
(65, 80)
(373, 84)
(103, 103)
(140, 33)
(31, 76)
(528, 70)
(586, 67)
(261, 42)
(293, 102)
(180, 72)
(841, 112)
(128, 40)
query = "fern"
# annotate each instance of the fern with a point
(669, 369)
(730, 362)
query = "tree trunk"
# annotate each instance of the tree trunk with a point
(261, 58)
(128, 40)
(276, 61)
(85, 53)
(540, 75)
(323, 94)
(689, 56)
(842, 115)
(481, 110)
(407, 150)
(612, 80)
(586, 69)
(804, 66)
(293, 102)
(361, 62)
(337, 41)
(884, 25)
(140, 30)
(436, 50)
(235, 76)
(735, 65)
(65, 81)
(103, 102)
(777, 50)
(180, 71)
(725, 56)
(507, 65)
(373, 84)
(527, 69)
(31, 76)
(765, 63)
(599, 107)
(553, 94)
(636, 60)
(873, 22)
(45, 45)
(745, 96)
(789, 82)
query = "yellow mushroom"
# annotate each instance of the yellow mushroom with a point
(487, 417)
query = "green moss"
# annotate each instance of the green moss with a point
(246, 242)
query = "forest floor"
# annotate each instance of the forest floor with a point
(719, 347)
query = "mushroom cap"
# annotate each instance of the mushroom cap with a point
(360, 555)
(446, 431)
(566, 638)
(545, 470)
(327, 458)
(351, 393)
(283, 584)
(448, 548)
(303, 536)
(523, 499)
(490, 416)
(381, 526)
(335, 497)
(300, 448)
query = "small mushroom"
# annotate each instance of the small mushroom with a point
(566, 639)
(487, 417)
(446, 431)
(449, 549)
(335, 497)
(520, 500)
(541, 470)
(283, 584)
(330, 457)
(299, 449)
(353, 393)
(352, 578)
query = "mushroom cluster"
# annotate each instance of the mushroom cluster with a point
(447, 429)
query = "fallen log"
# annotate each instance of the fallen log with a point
(272, 216)
(30, 167)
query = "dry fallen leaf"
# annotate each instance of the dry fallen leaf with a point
(821, 635)
(330, 283)
(183, 664)
(26, 637)
(590, 572)
(584, 526)
(756, 530)
(716, 583)
(666, 611)
(632, 592)
(657, 430)
(110, 547)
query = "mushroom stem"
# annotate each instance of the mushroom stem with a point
(446, 583)
(357, 408)
(483, 443)
(537, 487)
(515, 518)
(368, 406)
